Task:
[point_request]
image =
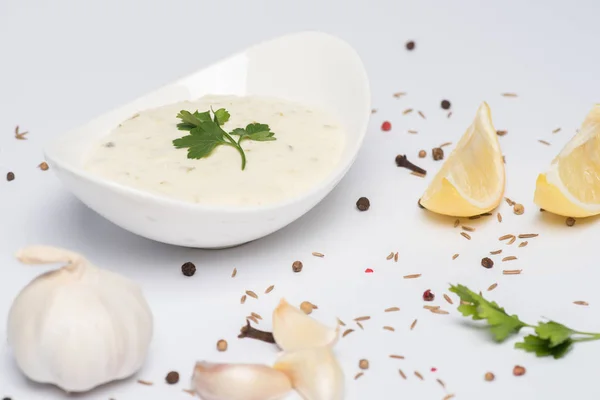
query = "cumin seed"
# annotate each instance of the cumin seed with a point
(411, 131)
(439, 311)
(508, 236)
(397, 357)
(456, 223)
(396, 257)
(390, 256)
(501, 133)
(556, 130)
(251, 294)
(411, 276)
(475, 217)
(455, 256)
(269, 289)
(143, 382)
(347, 332)
(492, 287)
(255, 315)
(418, 375)
(512, 240)
(544, 142)
(448, 299)
(252, 318)
(340, 322)
(441, 382)
(389, 328)
(496, 252)
(468, 228)
(431, 307)
(422, 115)
(499, 217)
(509, 258)
(243, 299)
(365, 318)
(528, 235)
(373, 110)
(465, 235)
(407, 111)
(581, 303)
(392, 309)
(399, 94)
(317, 254)
(448, 397)
(234, 273)
(509, 94)
(523, 244)
(360, 325)
(512, 271)
(402, 374)
(412, 326)
(509, 201)
(445, 144)
(358, 375)
(449, 114)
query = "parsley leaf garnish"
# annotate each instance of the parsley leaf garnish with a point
(205, 133)
(550, 338)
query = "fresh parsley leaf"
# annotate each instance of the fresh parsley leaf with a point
(554, 332)
(205, 133)
(501, 324)
(543, 347)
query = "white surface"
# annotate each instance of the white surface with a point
(309, 67)
(61, 63)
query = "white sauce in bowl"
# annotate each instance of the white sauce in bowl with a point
(140, 153)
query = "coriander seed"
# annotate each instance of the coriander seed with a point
(297, 266)
(489, 376)
(422, 154)
(570, 221)
(222, 345)
(519, 370)
(188, 269)
(445, 104)
(437, 153)
(428, 295)
(172, 377)
(487, 262)
(363, 364)
(306, 307)
(10, 176)
(44, 166)
(363, 204)
(518, 209)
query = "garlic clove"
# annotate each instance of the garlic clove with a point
(315, 373)
(213, 381)
(294, 330)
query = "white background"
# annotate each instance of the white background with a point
(64, 62)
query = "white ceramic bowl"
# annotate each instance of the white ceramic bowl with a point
(309, 67)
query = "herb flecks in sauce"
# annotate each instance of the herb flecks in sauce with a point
(206, 133)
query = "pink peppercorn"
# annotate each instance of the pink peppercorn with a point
(386, 126)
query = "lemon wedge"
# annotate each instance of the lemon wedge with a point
(471, 181)
(571, 187)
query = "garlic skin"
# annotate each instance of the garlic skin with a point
(294, 330)
(79, 326)
(239, 382)
(315, 373)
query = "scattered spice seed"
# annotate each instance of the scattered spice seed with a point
(10, 176)
(389, 328)
(528, 235)
(449, 114)
(340, 322)
(386, 126)
(402, 374)
(509, 236)
(390, 256)
(43, 166)
(509, 201)
(222, 345)
(20, 135)
(365, 318)
(363, 204)
(437, 153)
(269, 289)
(412, 132)
(512, 240)
(509, 94)
(399, 94)
(251, 294)
(188, 269)
(411, 276)
(422, 115)
(439, 311)
(501, 133)
(297, 266)
(397, 357)
(418, 375)
(147, 383)
(316, 254)
(255, 315)
(234, 273)
(581, 303)
(392, 309)
(448, 397)
(556, 130)
(468, 228)
(499, 217)
(448, 299)
(360, 325)
(412, 326)
(306, 307)
(428, 295)
(518, 370)
(489, 376)
(363, 364)
(509, 258)
(456, 223)
(512, 271)
(570, 221)
(407, 111)
(396, 257)
(410, 45)
(445, 105)
(253, 319)
(243, 299)
(496, 252)
(465, 235)
(523, 244)
(492, 287)
(358, 375)
(431, 307)
(441, 382)
(373, 110)
(518, 209)
(454, 257)
(172, 377)
(402, 161)
(347, 332)
(445, 144)
(248, 331)
(544, 142)
(422, 154)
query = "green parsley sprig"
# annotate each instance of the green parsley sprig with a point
(550, 338)
(206, 133)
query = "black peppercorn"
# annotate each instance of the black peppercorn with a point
(172, 377)
(363, 204)
(188, 269)
(410, 45)
(437, 153)
(445, 104)
(297, 266)
(10, 176)
(487, 262)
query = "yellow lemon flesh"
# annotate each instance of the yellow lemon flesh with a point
(471, 181)
(571, 187)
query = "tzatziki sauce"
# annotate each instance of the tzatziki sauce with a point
(139, 153)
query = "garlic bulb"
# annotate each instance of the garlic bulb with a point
(294, 330)
(239, 382)
(79, 326)
(315, 373)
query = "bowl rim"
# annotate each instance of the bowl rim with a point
(335, 176)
